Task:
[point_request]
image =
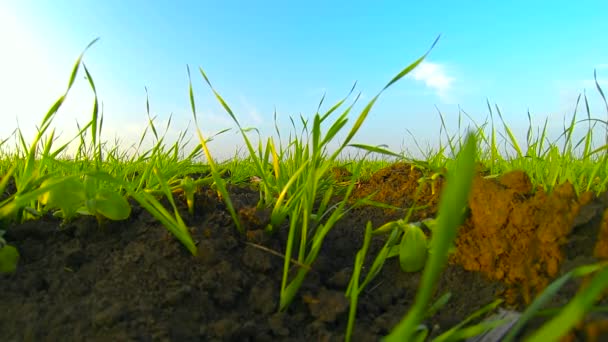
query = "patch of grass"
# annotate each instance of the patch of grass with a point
(295, 184)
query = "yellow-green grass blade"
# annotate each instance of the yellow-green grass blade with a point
(459, 332)
(219, 181)
(288, 292)
(48, 144)
(275, 159)
(512, 138)
(438, 304)
(279, 212)
(468, 333)
(5, 178)
(589, 135)
(27, 196)
(169, 196)
(3, 183)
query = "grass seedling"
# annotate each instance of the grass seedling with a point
(173, 223)
(73, 196)
(413, 249)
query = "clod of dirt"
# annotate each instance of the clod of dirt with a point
(601, 248)
(341, 278)
(224, 329)
(590, 330)
(591, 207)
(328, 305)
(257, 259)
(109, 315)
(262, 298)
(254, 218)
(277, 324)
(514, 235)
(596, 331)
(398, 185)
(340, 174)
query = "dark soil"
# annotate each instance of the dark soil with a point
(132, 280)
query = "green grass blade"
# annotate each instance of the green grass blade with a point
(353, 287)
(376, 149)
(412, 66)
(453, 201)
(459, 332)
(548, 293)
(95, 106)
(574, 311)
(512, 138)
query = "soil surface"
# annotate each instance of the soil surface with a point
(133, 281)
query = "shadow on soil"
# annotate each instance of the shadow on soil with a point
(132, 280)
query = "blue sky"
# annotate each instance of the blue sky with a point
(281, 54)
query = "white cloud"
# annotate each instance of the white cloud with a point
(435, 77)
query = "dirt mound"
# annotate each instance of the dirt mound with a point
(515, 233)
(403, 185)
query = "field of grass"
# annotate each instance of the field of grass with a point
(172, 244)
